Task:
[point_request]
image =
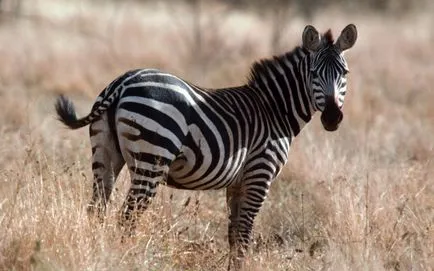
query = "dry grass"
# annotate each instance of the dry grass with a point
(358, 199)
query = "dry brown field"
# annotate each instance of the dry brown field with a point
(361, 198)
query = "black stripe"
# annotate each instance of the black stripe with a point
(189, 141)
(149, 136)
(155, 115)
(151, 185)
(146, 172)
(155, 76)
(97, 165)
(260, 166)
(295, 91)
(150, 158)
(161, 94)
(93, 132)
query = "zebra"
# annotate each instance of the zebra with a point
(169, 131)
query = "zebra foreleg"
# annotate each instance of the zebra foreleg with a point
(237, 248)
(243, 204)
(239, 228)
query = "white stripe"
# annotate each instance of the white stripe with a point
(148, 124)
(165, 108)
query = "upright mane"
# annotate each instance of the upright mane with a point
(264, 66)
(327, 37)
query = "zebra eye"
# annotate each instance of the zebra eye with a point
(345, 72)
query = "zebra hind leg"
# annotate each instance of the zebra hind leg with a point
(107, 163)
(146, 173)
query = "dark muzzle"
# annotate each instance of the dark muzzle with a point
(331, 116)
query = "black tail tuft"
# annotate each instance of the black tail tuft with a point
(66, 113)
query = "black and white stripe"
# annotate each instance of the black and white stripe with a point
(169, 131)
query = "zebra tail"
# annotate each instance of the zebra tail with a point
(66, 114)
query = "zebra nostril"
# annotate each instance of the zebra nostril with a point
(331, 117)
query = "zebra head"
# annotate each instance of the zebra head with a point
(327, 72)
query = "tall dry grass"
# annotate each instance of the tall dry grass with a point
(357, 199)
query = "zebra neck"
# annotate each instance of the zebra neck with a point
(281, 84)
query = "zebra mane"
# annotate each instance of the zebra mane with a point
(327, 38)
(263, 67)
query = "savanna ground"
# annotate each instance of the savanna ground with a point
(361, 198)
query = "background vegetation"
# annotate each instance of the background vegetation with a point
(357, 199)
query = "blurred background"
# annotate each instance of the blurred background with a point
(360, 198)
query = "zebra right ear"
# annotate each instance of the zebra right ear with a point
(311, 38)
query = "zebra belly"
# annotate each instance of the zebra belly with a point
(186, 172)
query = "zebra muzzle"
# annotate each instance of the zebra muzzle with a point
(332, 116)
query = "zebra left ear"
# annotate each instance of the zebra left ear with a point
(347, 38)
